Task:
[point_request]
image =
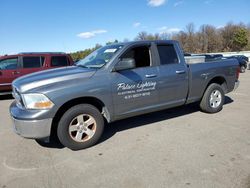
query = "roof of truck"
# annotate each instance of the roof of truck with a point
(144, 41)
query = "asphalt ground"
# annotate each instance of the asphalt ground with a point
(180, 147)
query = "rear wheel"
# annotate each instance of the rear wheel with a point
(80, 127)
(213, 99)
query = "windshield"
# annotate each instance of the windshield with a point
(100, 57)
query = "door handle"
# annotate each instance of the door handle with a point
(150, 75)
(180, 72)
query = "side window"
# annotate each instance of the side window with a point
(167, 54)
(33, 61)
(8, 64)
(58, 61)
(141, 55)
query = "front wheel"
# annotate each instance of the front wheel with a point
(213, 99)
(80, 127)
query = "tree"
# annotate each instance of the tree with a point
(182, 38)
(209, 39)
(112, 42)
(142, 36)
(227, 34)
(145, 36)
(76, 56)
(248, 38)
(240, 39)
(190, 46)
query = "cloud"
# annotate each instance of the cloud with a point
(156, 3)
(91, 34)
(178, 3)
(136, 24)
(167, 30)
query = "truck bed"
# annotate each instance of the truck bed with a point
(200, 75)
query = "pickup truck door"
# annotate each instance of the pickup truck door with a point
(134, 90)
(174, 77)
(9, 70)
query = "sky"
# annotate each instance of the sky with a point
(69, 26)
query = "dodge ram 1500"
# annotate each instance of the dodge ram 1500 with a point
(112, 83)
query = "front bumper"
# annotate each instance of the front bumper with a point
(236, 85)
(29, 124)
(36, 129)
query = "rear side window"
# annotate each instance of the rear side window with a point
(58, 61)
(8, 64)
(167, 54)
(33, 62)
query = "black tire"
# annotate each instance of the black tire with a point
(211, 107)
(242, 69)
(68, 139)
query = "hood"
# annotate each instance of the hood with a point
(51, 76)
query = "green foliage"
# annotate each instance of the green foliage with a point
(240, 39)
(76, 56)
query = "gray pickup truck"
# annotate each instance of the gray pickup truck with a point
(112, 83)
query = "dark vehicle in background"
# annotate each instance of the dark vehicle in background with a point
(243, 60)
(14, 66)
(210, 57)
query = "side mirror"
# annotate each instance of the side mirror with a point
(124, 64)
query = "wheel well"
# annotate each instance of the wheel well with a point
(218, 80)
(88, 100)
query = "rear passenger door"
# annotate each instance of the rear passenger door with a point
(174, 76)
(30, 64)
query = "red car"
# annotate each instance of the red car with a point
(14, 66)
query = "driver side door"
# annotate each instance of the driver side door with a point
(135, 90)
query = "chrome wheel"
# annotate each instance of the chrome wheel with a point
(82, 128)
(215, 99)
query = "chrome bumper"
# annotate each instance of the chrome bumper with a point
(236, 85)
(36, 129)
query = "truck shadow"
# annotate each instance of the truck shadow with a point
(113, 128)
(142, 120)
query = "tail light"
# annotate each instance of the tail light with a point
(238, 73)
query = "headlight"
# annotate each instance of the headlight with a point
(36, 101)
